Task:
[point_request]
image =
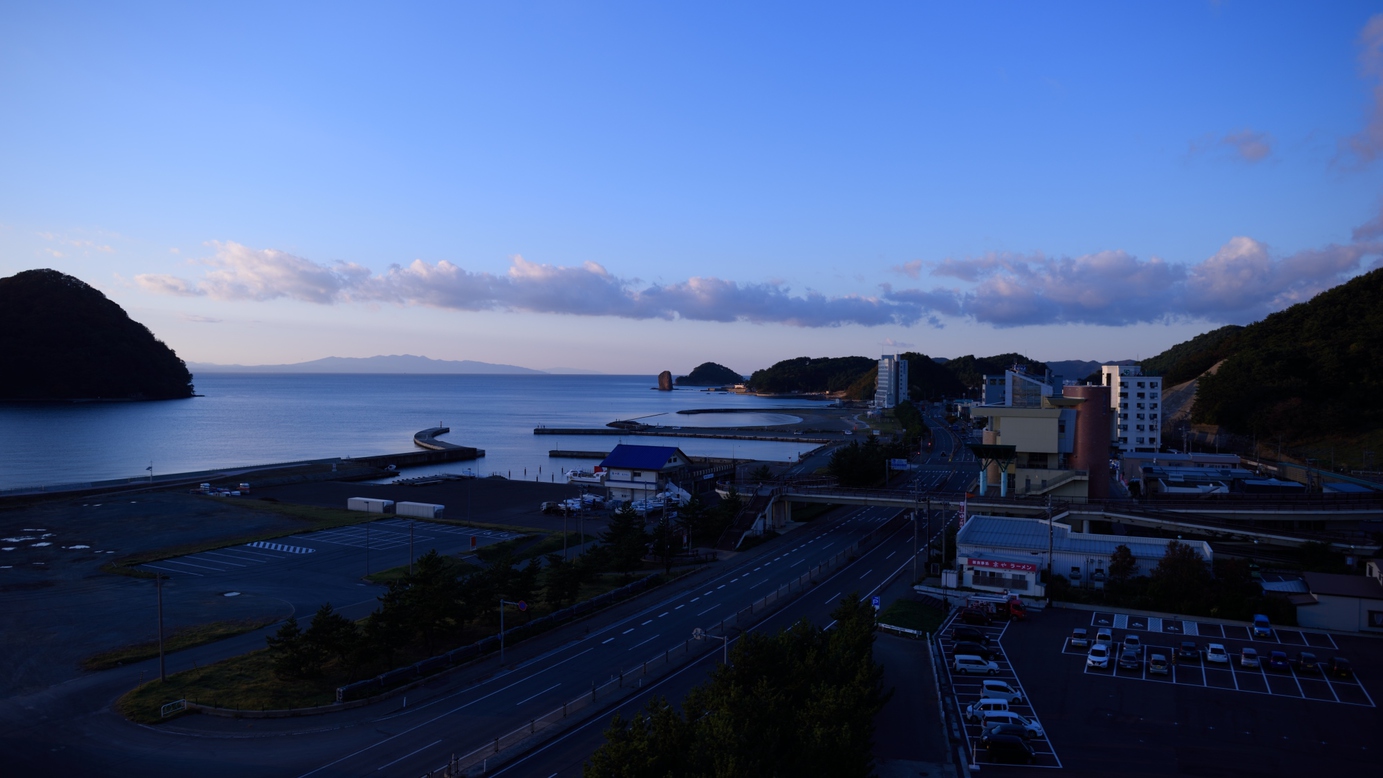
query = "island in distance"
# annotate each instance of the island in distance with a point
(64, 340)
(393, 363)
(710, 374)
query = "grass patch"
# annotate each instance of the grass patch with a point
(911, 614)
(184, 637)
(453, 567)
(248, 682)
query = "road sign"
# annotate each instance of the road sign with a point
(473, 542)
(875, 602)
(523, 606)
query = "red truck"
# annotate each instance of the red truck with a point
(1000, 606)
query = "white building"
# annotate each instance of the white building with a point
(892, 385)
(1000, 553)
(1137, 403)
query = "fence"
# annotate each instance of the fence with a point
(506, 746)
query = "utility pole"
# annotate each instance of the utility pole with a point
(158, 586)
(1049, 544)
(522, 606)
(411, 522)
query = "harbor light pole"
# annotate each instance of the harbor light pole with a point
(522, 606)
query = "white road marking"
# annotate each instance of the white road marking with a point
(627, 631)
(837, 594)
(405, 756)
(539, 694)
(708, 610)
(655, 637)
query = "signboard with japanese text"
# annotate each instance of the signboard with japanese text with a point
(997, 564)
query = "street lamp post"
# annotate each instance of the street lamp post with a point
(522, 606)
(700, 634)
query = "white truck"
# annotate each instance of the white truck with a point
(420, 510)
(369, 505)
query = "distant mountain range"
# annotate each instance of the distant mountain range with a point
(394, 363)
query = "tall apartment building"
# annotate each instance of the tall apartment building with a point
(1136, 400)
(892, 385)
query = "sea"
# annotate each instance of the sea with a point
(243, 419)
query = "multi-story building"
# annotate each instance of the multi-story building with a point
(892, 385)
(1136, 400)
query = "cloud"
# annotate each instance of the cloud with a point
(1241, 282)
(1369, 230)
(1248, 145)
(237, 272)
(910, 269)
(1251, 146)
(898, 345)
(192, 317)
(87, 245)
(1366, 145)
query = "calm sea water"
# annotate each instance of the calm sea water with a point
(259, 419)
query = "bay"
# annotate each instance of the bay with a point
(253, 419)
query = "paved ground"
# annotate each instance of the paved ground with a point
(1122, 722)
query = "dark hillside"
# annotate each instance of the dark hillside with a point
(710, 374)
(971, 370)
(1314, 368)
(807, 374)
(929, 379)
(1185, 361)
(63, 340)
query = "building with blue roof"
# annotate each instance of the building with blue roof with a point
(641, 472)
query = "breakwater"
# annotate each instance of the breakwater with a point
(666, 432)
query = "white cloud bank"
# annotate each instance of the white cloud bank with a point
(1243, 281)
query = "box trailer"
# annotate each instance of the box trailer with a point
(369, 505)
(421, 510)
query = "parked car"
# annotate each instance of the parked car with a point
(967, 664)
(1098, 657)
(1158, 664)
(1306, 662)
(975, 616)
(1104, 636)
(1009, 749)
(1000, 690)
(1277, 662)
(1009, 717)
(1261, 627)
(1248, 657)
(963, 632)
(1080, 638)
(1188, 651)
(1130, 660)
(966, 647)
(976, 710)
(1131, 641)
(1216, 653)
(1340, 668)
(999, 728)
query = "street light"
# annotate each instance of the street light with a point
(522, 606)
(700, 634)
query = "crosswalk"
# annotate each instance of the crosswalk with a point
(264, 544)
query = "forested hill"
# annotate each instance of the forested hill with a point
(710, 374)
(63, 340)
(807, 374)
(971, 370)
(1185, 361)
(1316, 367)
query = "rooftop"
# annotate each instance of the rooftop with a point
(1031, 535)
(632, 457)
(1335, 585)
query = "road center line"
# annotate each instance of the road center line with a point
(627, 631)
(680, 607)
(646, 623)
(837, 594)
(606, 640)
(867, 572)
(708, 610)
(655, 637)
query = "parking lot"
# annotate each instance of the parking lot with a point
(967, 690)
(341, 548)
(1164, 636)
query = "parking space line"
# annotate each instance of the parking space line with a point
(189, 564)
(217, 561)
(169, 570)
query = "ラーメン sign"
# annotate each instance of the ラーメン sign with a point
(997, 564)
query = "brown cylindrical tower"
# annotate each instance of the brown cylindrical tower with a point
(1092, 439)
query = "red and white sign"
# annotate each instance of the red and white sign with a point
(996, 564)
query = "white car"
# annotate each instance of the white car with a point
(1131, 641)
(1009, 717)
(1104, 637)
(1000, 690)
(1080, 638)
(1248, 658)
(1098, 657)
(1216, 653)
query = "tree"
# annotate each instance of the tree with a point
(761, 473)
(691, 518)
(666, 544)
(1180, 579)
(525, 585)
(1122, 565)
(626, 539)
(293, 656)
(798, 703)
(560, 582)
(333, 634)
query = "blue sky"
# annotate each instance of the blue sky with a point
(646, 186)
